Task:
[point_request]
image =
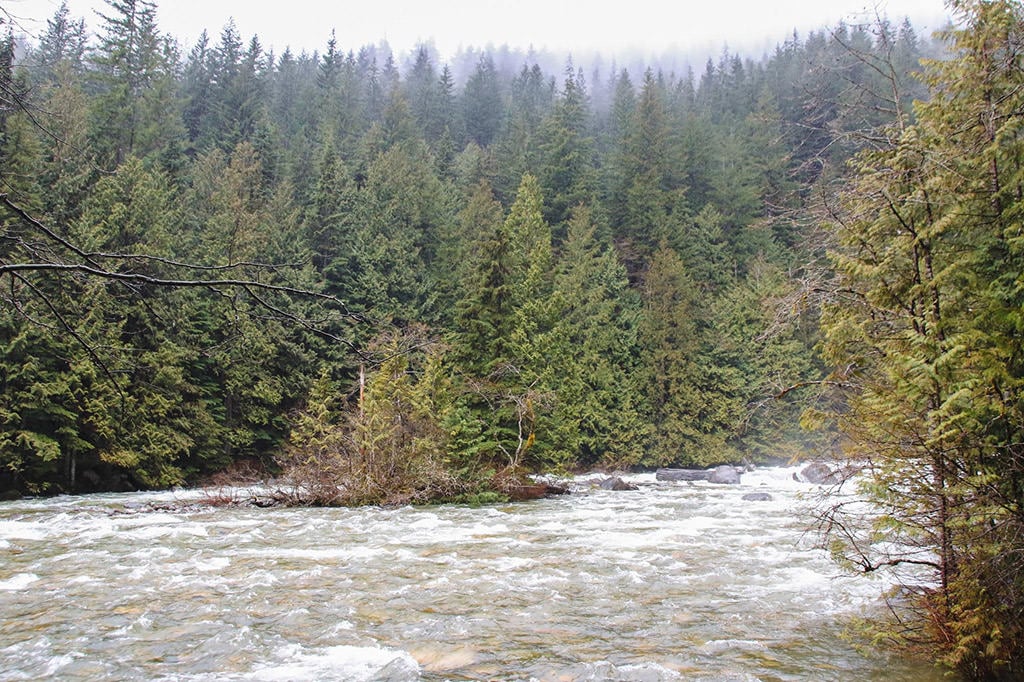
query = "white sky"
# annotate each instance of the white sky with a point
(560, 25)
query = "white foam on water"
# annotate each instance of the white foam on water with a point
(648, 671)
(175, 529)
(58, 662)
(217, 563)
(425, 522)
(87, 530)
(18, 582)
(348, 663)
(342, 626)
(696, 525)
(549, 577)
(430, 532)
(82, 580)
(261, 578)
(235, 524)
(606, 670)
(510, 563)
(341, 554)
(22, 530)
(717, 646)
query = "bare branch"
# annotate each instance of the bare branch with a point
(75, 335)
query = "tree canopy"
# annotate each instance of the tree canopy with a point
(195, 244)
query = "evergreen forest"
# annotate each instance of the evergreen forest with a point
(531, 271)
(394, 279)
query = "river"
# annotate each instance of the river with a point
(674, 581)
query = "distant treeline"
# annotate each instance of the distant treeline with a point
(530, 270)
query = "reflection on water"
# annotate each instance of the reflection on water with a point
(671, 582)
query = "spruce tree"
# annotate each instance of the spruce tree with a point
(128, 61)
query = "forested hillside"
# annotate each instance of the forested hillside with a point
(204, 252)
(391, 279)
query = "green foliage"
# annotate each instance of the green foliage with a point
(506, 313)
(389, 445)
(600, 258)
(400, 212)
(686, 404)
(568, 176)
(597, 414)
(928, 340)
(130, 68)
(482, 103)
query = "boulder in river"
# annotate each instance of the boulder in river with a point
(682, 474)
(820, 473)
(616, 483)
(724, 474)
(757, 497)
(535, 491)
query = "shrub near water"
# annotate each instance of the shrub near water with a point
(390, 444)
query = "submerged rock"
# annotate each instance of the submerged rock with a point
(400, 669)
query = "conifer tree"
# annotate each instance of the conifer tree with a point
(567, 165)
(482, 103)
(596, 416)
(507, 312)
(63, 42)
(689, 396)
(129, 61)
(925, 327)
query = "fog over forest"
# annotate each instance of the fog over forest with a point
(644, 33)
(379, 277)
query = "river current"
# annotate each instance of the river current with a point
(674, 581)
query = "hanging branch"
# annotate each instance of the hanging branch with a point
(54, 254)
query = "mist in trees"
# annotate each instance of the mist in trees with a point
(394, 279)
(592, 256)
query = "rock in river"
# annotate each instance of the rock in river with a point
(724, 474)
(820, 473)
(616, 483)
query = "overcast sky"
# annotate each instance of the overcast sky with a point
(559, 25)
